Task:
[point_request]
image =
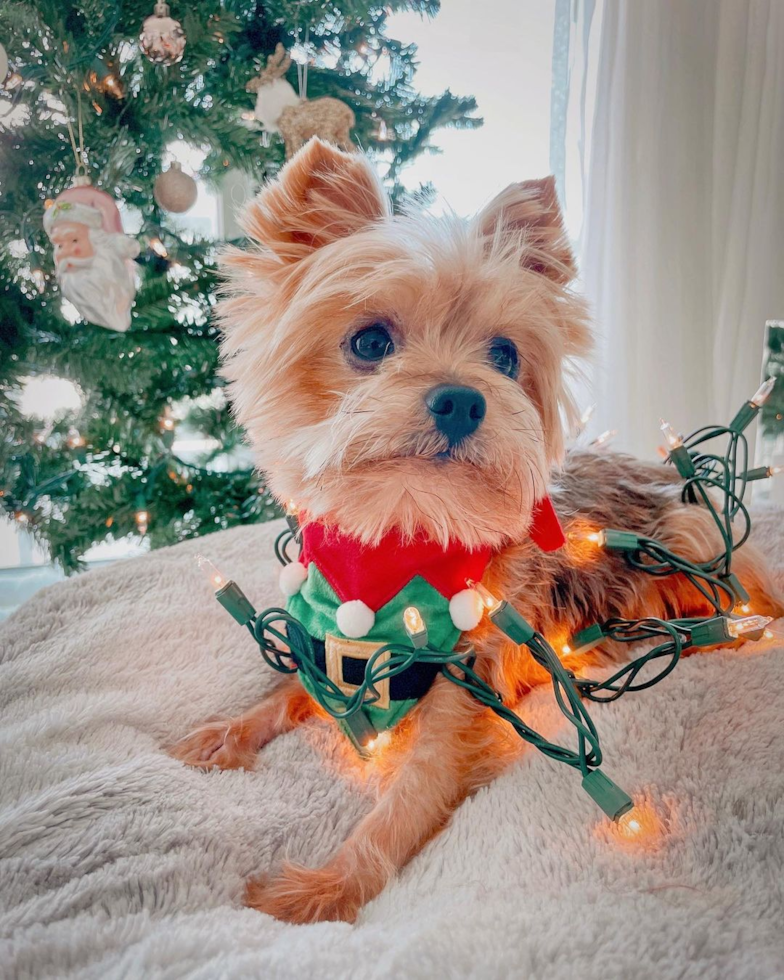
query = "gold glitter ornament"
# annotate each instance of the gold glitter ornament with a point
(174, 190)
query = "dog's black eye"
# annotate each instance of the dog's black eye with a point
(503, 356)
(372, 343)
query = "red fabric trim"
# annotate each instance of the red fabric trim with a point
(376, 574)
(545, 529)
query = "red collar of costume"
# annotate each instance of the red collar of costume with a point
(378, 572)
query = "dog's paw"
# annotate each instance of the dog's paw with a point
(216, 745)
(305, 895)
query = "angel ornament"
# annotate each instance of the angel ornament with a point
(280, 110)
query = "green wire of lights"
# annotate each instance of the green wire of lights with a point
(286, 646)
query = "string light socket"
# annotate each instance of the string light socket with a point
(227, 592)
(618, 540)
(586, 639)
(606, 794)
(504, 616)
(748, 411)
(361, 730)
(736, 586)
(763, 472)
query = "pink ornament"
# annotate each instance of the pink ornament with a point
(162, 38)
(92, 255)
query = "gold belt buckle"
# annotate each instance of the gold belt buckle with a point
(336, 648)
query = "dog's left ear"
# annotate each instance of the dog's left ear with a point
(320, 196)
(530, 211)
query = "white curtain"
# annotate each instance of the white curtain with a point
(683, 240)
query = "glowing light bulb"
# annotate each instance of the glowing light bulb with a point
(490, 602)
(604, 439)
(216, 579)
(21, 517)
(158, 247)
(749, 624)
(768, 635)
(142, 518)
(674, 440)
(595, 537)
(39, 278)
(760, 396)
(75, 439)
(113, 86)
(586, 417)
(379, 742)
(415, 626)
(639, 827)
(291, 508)
(775, 470)
(630, 823)
(566, 649)
(166, 422)
(414, 621)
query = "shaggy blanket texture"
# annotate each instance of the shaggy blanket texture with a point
(117, 861)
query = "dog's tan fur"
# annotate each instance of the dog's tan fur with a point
(359, 450)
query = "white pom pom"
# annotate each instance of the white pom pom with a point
(292, 578)
(466, 609)
(355, 619)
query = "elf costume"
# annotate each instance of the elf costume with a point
(351, 598)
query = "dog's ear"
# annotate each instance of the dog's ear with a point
(530, 211)
(320, 196)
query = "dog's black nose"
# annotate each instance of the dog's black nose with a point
(457, 410)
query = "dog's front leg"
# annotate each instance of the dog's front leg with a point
(232, 743)
(428, 776)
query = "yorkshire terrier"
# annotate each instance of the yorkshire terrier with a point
(406, 374)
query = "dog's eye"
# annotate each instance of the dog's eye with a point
(372, 343)
(504, 357)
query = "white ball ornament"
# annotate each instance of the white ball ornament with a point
(292, 578)
(355, 619)
(466, 609)
(175, 190)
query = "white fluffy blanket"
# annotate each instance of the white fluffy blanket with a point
(117, 861)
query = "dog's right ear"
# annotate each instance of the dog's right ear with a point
(320, 196)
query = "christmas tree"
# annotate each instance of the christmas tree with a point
(84, 95)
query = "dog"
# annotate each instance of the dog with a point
(343, 326)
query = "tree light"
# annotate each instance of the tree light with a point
(674, 441)
(415, 627)
(75, 439)
(142, 518)
(490, 602)
(158, 247)
(216, 579)
(586, 417)
(749, 624)
(604, 439)
(760, 396)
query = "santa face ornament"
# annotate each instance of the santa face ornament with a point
(93, 257)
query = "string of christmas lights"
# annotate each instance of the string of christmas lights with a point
(716, 482)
